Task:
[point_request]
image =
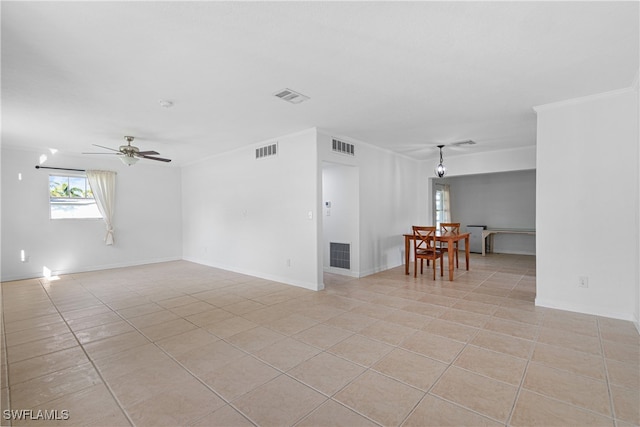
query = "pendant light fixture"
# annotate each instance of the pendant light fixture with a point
(440, 170)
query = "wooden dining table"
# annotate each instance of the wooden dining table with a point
(447, 237)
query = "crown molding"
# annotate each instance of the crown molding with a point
(584, 99)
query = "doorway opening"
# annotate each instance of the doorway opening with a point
(340, 219)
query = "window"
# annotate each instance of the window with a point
(441, 204)
(70, 196)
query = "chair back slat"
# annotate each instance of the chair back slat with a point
(425, 238)
(450, 227)
(425, 248)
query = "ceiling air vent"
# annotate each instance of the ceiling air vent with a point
(461, 143)
(267, 151)
(343, 147)
(291, 96)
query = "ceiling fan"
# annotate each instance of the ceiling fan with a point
(130, 153)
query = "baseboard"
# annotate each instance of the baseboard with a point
(595, 311)
(379, 269)
(509, 253)
(259, 274)
(85, 269)
(341, 271)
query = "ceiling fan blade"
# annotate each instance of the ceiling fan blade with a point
(110, 154)
(146, 153)
(155, 158)
(106, 148)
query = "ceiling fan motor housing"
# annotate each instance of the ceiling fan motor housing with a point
(129, 150)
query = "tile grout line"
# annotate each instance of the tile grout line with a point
(108, 387)
(428, 392)
(4, 356)
(452, 364)
(172, 358)
(231, 344)
(386, 282)
(456, 357)
(324, 350)
(285, 373)
(526, 370)
(529, 361)
(606, 373)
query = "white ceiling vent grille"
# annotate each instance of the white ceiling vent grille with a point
(343, 147)
(462, 143)
(267, 151)
(291, 96)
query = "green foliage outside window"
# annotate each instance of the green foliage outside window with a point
(69, 187)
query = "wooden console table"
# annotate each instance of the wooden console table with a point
(490, 232)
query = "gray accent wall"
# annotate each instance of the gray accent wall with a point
(497, 200)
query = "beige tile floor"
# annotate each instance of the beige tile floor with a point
(183, 344)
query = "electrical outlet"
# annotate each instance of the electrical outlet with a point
(583, 282)
(288, 262)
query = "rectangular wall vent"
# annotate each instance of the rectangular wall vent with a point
(343, 147)
(340, 255)
(267, 151)
(290, 96)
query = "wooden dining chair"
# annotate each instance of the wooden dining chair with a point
(425, 248)
(450, 227)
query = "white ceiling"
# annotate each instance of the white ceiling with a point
(401, 75)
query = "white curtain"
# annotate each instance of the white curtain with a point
(103, 186)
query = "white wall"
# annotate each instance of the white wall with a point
(497, 200)
(147, 218)
(340, 221)
(393, 196)
(252, 216)
(587, 206)
(637, 138)
(516, 159)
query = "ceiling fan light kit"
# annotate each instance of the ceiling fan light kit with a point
(128, 160)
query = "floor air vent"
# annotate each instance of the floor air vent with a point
(266, 151)
(343, 147)
(340, 255)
